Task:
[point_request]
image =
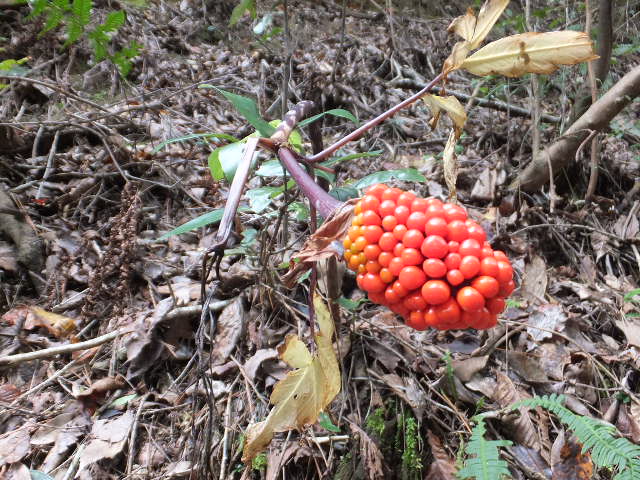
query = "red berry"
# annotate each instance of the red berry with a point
(384, 258)
(398, 249)
(376, 190)
(452, 261)
(396, 266)
(448, 313)
(507, 289)
(496, 305)
(369, 217)
(370, 202)
(454, 246)
(391, 295)
(413, 239)
(387, 241)
(372, 267)
(372, 233)
(434, 211)
(399, 232)
(470, 247)
(406, 199)
(386, 208)
(476, 232)
(454, 212)
(419, 205)
(372, 252)
(457, 231)
(412, 277)
(487, 252)
(436, 226)
(436, 292)
(400, 290)
(469, 266)
(489, 266)
(505, 272)
(411, 256)
(434, 268)
(386, 276)
(434, 246)
(416, 220)
(415, 301)
(455, 277)
(389, 223)
(373, 283)
(430, 317)
(401, 213)
(390, 194)
(470, 299)
(416, 320)
(487, 286)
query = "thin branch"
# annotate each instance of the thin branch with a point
(11, 360)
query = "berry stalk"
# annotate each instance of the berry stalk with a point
(320, 199)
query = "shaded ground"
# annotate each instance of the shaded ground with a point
(85, 193)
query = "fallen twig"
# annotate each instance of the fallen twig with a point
(10, 360)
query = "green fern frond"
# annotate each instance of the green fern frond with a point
(485, 462)
(596, 436)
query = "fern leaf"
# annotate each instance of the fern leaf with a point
(607, 450)
(113, 21)
(81, 10)
(37, 8)
(485, 464)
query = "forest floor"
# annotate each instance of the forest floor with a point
(90, 180)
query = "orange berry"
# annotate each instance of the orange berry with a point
(414, 301)
(487, 286)
(389, 223)
(402, 213)
(413, 239)
(436, 292)
(416, 320)
(372, 252)
(376, 190)
(360, 243)
(434, 268)
(387, 241)
(372, 267)
(386, 276)
(412, 277)
(391, 194)
(399, 231)
(370, 202)
(406, 199)
(354, 232)
(387, 207)
(469, 266)
(411, 256)
(373, 283)
(385, 258)
(396, 265)
(398, 249)
(372, 233)
(434, 246)
(470, 299)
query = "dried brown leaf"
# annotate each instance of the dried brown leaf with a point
(450, 163)
(546, 320)
(14, 446)
(107, 439)
(251, 366)
(443, 466)
(305, 392)
(527, 366)
(408, 390)
(96, 392)
(8, 392)
(630, 326)
(467, 368)
(370, 453)
(524, 429)
(534, 282)
(574, 464)
(321, 244)
(531, 52)
(450, 105)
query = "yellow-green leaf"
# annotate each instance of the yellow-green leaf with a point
(531, 53)
(450, 105)
(299, 398)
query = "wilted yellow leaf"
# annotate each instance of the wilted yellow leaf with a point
(299, 398)
(450, 105)
(450, 163)
(473, 30)
(487, 17)
(531, 53)
(57, 325)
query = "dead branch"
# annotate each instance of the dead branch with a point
(11, 360)
(596, 118)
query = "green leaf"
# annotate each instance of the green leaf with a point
(208, 218)
(191, 136)
(327, 424)
(238, 11)
(405, 174)
(119, 402)
(38, 475)
(334, 161)
(82, 11)
(224, 161)
(349, 304)
(248, 108)
(344, 193)
(271, 168)
(629, 296)
(260, 198)
(300, 210)
(336, 112)
(74, 32)
(114, 21)
(37, 8)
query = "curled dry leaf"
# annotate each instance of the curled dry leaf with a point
(14, 446)
(96, 392)
(574, 464)
(321, 244)
(299, 398)
(473, 30)
(373, 457)
(450, 163)
(34, 317)
(451, 105)
(443, 466)
(107, 439)
(531, 52)
(506, 394)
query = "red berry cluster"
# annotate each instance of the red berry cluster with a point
(426, 261)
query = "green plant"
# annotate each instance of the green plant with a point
(411, 462)
(375, 422)
(76, 16)
(607, 449)
(483, 462)
(259, 463)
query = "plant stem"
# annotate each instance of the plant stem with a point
(357, 133)
(321, 200)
